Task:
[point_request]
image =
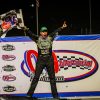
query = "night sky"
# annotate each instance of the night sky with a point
(52, 13)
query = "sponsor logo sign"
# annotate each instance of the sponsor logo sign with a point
(8, 78)
(8, 47)
(9, 88)
(8, 57)
(74, 65)
(9, 68)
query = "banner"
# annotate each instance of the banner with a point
(76, 66)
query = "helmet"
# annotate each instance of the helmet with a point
(43, 29)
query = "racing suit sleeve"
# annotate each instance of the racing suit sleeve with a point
(30, 33)
(55, 33)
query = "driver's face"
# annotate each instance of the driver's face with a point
(44, 34)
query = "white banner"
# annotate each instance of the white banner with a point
(77, 66)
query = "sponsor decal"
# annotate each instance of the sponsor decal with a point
(8, 47)
(8, 57)
(9, 88)
(6, 25)
(9, 68)
(69, 65)
(8, 78)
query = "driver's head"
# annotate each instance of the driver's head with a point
(44, 32)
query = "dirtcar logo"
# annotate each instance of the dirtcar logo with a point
(9, 88)
(69, 65)
(8, 57)
(9, 68)
(8, 47)
(76, 65)
(8, 77)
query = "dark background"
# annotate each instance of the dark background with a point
(52, 13)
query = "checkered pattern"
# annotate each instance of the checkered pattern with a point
(20, 17)
(65, 58)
